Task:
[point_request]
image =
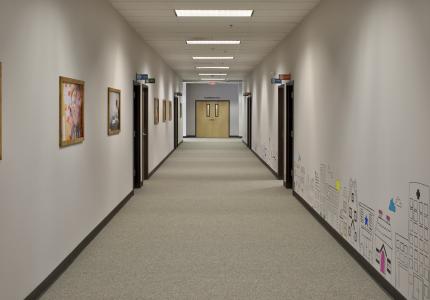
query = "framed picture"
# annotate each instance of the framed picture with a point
(170, 110)
(1, 128)
(156, 111)
(180, 110)
(72, 93)
(164, 110)
(114, 111)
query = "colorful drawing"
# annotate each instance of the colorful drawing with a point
(71, 111)
(367, 223)
(114, 111)
(383, 245)
(392, 206)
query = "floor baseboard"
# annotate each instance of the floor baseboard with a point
(386, 285)
(264, 163)
(44, 286)
(162, 162)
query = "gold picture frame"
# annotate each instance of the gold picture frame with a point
(156, 111)
(114, 111)
(1, 121)
(164, 110)
(170, 110)
(71, 118)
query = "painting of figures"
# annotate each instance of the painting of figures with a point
(71, 111)
(114, 111)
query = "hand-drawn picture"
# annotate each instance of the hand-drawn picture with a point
(367, 225)
(412, 253)
(383, 245)
(156, 111)
(71, 111)
(114, 111)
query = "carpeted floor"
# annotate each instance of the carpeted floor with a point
(213, 223)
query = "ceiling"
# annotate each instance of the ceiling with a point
(156, 22)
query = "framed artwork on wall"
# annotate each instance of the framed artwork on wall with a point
(71, 111)
(1, 122)
(156, 111)
(114, 111)
(164, 110)
(180, 110)
(170, 110)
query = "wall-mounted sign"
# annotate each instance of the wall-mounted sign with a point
(276, 81)
(178, 94)
(150, 80)
(286, 77)
(142, 77)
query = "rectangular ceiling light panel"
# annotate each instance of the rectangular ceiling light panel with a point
(212, 57)
(213, 68)
(214, 13)
(213, 42)
(213, 79)
(212, 74)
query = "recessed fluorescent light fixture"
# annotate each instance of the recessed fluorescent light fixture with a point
(213, 79)
(213, 68)
(214, 74)
(213, 42)
(212, 57)
(214, 13)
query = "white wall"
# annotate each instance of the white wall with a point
(224, 91)
(362, 80)
(51, 198)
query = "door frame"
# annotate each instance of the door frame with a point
(145, 125)
(289, 136)
(249, 121)
(176, 122)
(281, 120)
(137, 135)
(195, 114)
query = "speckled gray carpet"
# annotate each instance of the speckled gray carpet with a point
(213, 223)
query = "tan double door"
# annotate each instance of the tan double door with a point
(213, 119)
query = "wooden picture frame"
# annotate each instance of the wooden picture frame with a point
(71, 118)
(114, 111)
(170, 110)
(164, 110)
(156, 111)
(1, 121)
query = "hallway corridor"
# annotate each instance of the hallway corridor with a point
(213, 223)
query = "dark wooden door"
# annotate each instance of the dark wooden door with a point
(176, 122)
(289, 140)
(249, 116)
(145, 125)
(281, 121)
(137, 135)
